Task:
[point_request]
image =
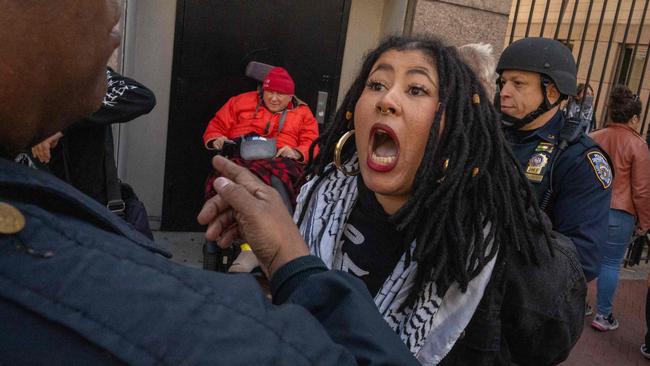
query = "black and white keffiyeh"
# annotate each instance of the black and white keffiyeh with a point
(431, 326)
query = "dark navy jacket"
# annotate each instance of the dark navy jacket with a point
(104, 298)
(579, 206)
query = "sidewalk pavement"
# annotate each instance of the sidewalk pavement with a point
(619, 347)
(614, 348)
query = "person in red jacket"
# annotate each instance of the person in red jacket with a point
(248, 113)
(274, 113)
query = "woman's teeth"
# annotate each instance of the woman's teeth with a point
(384, 160)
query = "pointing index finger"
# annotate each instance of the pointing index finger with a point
(237, 174)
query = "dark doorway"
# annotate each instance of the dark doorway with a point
(214, 42)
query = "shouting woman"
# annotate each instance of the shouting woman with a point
(415, 192)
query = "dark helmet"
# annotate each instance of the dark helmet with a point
(545, 56)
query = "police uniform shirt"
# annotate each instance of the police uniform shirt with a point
(371, 245)
(582, 178)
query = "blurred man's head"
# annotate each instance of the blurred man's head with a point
(53, 56)
(278, 88)
(479, 58)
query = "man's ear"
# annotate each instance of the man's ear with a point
(552, 94)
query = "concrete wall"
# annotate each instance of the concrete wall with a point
(148, 58)
(369, 22)
(463, 21)
(393, 17)
(363, 32)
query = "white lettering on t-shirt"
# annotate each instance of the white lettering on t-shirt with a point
(349, 266)
(353, 234)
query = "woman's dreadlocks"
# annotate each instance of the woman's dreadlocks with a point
(450, 207)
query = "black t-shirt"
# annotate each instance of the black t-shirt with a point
(372, 246)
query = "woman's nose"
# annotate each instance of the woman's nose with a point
(388, 104)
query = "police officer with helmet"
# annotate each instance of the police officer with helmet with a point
(569, 172)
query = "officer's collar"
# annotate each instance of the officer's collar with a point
(549, 132)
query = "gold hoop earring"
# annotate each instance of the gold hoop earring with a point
(337, 154)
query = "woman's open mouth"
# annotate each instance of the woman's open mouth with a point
(384, 148)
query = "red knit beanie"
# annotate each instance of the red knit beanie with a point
(279, 80)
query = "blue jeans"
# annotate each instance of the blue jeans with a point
(621, 227)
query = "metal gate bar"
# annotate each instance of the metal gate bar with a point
(548, 3)
(645, 63)
(636, 43)
(530, 17)
(593, 51)
(559, 18)
(584, 33)
(638, 91)
(573, 19)
(645, 115)
(625, 34)
(609, 47)
(514, 22)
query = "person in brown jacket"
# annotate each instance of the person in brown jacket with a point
(630, 206)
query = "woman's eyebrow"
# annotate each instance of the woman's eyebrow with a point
(422, 71)
(414, 70)
(379, 67)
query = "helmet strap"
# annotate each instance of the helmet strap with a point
(517, 123)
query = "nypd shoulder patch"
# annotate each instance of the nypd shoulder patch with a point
(601, 168)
